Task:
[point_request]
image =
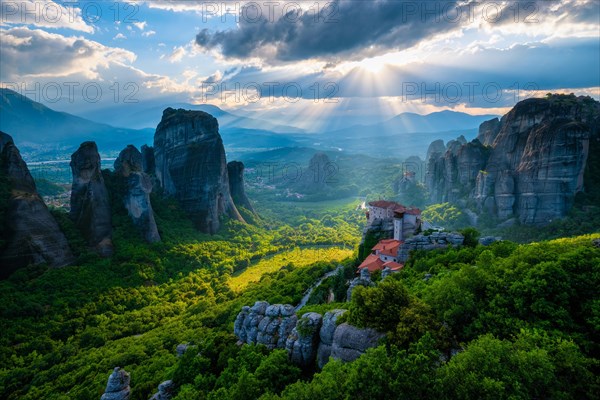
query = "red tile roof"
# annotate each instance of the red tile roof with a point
(394, 266)
(396, 207)
(388, 247)
(372, 263)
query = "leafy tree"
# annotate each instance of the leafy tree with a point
(378, 307)
(471, 237)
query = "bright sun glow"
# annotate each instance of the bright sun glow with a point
(373, 65)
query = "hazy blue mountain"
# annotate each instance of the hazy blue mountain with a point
(147, 114)
(415, 123)
(43, 133)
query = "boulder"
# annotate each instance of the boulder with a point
(30, 233)
(326, 333)
(487, 240)
(117, 387)
(303, 342)
(350, 342)
(363, 280)
(165, 391)
(90, 207)
(265, 324)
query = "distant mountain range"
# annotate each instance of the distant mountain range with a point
(45, 134)
(412, 123)
(147, 114)
(42, 132)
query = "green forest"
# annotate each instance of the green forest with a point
(504, 321)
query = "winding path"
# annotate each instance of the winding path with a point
(310, 290)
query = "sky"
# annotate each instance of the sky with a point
(301, 63)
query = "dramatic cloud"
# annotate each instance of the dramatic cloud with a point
(348, 29)
(344, 27)
(35, 53)
(446, 79)
(43, 13)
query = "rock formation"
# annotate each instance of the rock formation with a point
(306, 340)
(303, 342)
(326, 333)
(436, 149)
(363, 280)
(148, 163)
(117, 387)
(235, 171)
(191, 166)
(487, 240)
(265, 324)
(534, 166)
(165, 391)
(29, 234)
(182, 348)
(90, 207)
(488, 131)
(450, 176)
(350, 342)
(318, 177)
(437, 240)
(138, 186)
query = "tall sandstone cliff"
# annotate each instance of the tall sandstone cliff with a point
(90, 207)
(191, 166)
(235, 170)
(530, 164)
(29, 234)
(138, 186)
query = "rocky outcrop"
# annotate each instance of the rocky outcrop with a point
(450, 175)
(350, 342)
(90, 208)
(312, 338)
(235, 171)
(326, 333)
(265, 324)
(437, 240)
(29, 234)
(191, 166)
(435, 149)
(303, 342)
(534, 167)
(165, 391)
(117, 387)
(363, 280)
(488, 131)
(182, 348)
(317, 178)
(148, 163)
(487, 240)
(138, 186)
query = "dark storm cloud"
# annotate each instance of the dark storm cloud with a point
(351, 29)
(536, 66)
(345, 27)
